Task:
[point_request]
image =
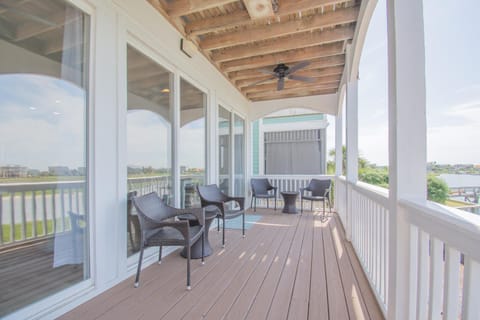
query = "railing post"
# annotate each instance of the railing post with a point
(352, 142)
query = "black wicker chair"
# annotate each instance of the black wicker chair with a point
(211, 195)
(319, 190)
(261, 188)
(159, 228)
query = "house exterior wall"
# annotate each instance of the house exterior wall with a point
(114, 24)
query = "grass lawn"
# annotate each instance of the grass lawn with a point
(18, 230)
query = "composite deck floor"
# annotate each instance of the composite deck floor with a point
(290, 266)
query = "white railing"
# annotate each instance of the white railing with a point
(288, 183)
(35, 210)
(443, 277)
(341, 193)
(30, 211)
(369, 235)
(444, 262)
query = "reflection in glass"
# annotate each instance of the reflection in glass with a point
(191, 147)
(239, 151)
(149, 165)
(43, 142)
(224, 149)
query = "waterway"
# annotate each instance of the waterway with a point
(463, 181)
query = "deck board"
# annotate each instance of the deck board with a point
(288, 267)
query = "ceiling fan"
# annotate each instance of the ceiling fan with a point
(282, 71)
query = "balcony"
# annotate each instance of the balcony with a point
(289, 266)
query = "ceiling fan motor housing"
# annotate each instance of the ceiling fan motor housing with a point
(281, 70)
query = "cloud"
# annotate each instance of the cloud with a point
(42, 122)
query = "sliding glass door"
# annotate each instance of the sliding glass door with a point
(149, 128)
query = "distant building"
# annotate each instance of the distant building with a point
(59, 171)
(13, 171)
(290, 144)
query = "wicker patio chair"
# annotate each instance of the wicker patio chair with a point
(211, 195)
(319, 190)
(261, 188)
(159, 228)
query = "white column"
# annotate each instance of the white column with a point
(211, 143)
(352, 141)
(261, 148)
(175, 116)
(338, 143)
(352, 130)
(105, 205)
(407, 139)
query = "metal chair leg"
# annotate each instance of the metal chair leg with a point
(139, 267)
(223, 232)
(188, 265)
(218, 224)
(203, 247)
(243, 224)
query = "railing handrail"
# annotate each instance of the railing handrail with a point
(293, 176)
(459, 229)
(378, 194)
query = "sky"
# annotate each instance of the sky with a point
(41, 122)
(452, 83)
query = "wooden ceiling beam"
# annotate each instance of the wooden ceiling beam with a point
(244, 83)
(294, 6)
(283, 57)
(286, 7)
(179, 8)
(290, 85)
(231, 20)
(31, 28)
(262, 32)
(306, 39)
(273, 95)
(323, 62)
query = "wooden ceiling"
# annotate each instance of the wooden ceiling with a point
(247, 39)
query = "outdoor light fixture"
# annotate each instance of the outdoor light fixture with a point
(188, 47)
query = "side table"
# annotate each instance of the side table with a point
(196, 248)
(289, 199)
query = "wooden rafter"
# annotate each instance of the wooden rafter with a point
(338, 60)
(244, 83)
(234, 19)
(286, 7)
(184, 7)
(306, 39)
(31, 28)
(283, 57)
(274, 95)
(260, 32)
(291, 85)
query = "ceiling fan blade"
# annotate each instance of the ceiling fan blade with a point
(266, 71)
(298, 66)
(261, 81)
(280, 84)
(300, 78)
